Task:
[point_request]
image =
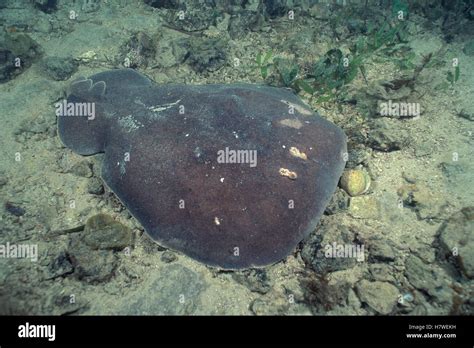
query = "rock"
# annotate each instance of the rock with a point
(315, 247)
(456, 240)
(469, 48)
(60, 266)
(364, 207)
(95, 186)
(421, 275)
(386, 136)
(380, 296)
(355, 182)
(168, 4)
(138, 51)
(357, 156)
(47, 6)
(17, 53)
(382, 272)
(380, 250)
(14, 209)
(174, 290)
(244, 21)
(92, 266)
(59, 68)
(82, 168)
(168, 256)
(339, 202)
(206, 54)
(276, 8)
(255, 280)
(323, 296)
(197, 17)
(104, 233)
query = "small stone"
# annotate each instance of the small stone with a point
(364, 207)
(197, 18)
(456, 239)
(60, 266)
(95, 186)
(380, 250)
(254, 280)
(47, 6)
(207, 54)
(103, 232)
(91, 266)
(14, 209)
(421, 275)
(59, 68)
(339, 202)
(356, 157)
(138, 51)
(314, 248)
(380, 296)
(82, 168)
(355, 182)
(382, 272)
(168, 256)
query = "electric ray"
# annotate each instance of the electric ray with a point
(232, 175)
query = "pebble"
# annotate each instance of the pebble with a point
(59, 68)
(91, 266)
(364, 207)
(421, 275)
(456, 239)
(60, 266)
(380, 250)
(168, 256)
(254, 280)
(380, 296)
(14, 209)
(95, 186)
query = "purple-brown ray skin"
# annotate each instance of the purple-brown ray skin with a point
(234, 216)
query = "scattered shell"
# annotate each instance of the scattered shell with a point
(297, 153)
(288, 173)
(355, 182)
